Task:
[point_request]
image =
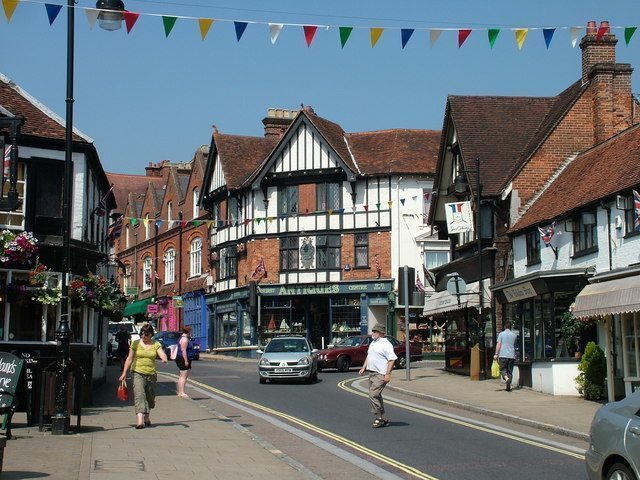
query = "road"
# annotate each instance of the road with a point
(422, 440)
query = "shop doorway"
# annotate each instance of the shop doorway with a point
(317, 317)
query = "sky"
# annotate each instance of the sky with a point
(144, 97)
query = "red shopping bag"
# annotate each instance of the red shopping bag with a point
(123, 391)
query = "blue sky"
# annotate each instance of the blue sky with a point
(145, 98)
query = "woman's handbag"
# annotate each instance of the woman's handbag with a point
(495, 369)
(123, 391)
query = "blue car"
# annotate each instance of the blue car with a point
(169, 338)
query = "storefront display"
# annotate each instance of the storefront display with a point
(345, 318)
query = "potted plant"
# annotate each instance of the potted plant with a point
(17, 249)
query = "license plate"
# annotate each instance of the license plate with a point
(283, 370)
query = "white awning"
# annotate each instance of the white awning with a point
(621, 295)
(443, 301)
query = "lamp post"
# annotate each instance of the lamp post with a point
(60, 420)
(461, 185)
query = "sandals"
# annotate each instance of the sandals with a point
(139, 427)
(379, 423)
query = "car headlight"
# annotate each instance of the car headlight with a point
(196, 347)
(303, 361)
(264, 361)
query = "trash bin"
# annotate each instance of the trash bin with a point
(48, 395)
(474, 370)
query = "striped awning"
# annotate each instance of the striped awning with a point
(621, 295)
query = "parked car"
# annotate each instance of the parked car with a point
(288, 357)
(614, 446)
(168, 338)
(352, 352)
(114, 327)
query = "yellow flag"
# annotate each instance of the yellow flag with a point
(521, 34)
(145, 222)
(209, 223)
(205, 25)
(375, 35)
(9, 7)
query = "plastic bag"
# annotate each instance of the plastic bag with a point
(495, 369)
(173, 352)
(123, 391)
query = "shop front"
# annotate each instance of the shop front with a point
(230, 325)
(196, 316)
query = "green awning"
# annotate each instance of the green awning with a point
(138, 307)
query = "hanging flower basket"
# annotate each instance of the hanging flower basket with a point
(47, 296)
(98, 293)
(17, 248)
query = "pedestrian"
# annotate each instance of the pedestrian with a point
(142, 360)
(123, 338)
(379, 363)
(506, 352)
(183, 359)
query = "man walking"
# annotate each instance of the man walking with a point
(379, 363)
(506, 352)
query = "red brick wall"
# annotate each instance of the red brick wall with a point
(267, 248)
(379, 244)
(307, 198)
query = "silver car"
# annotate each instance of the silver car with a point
(288, 357)
(614, 449)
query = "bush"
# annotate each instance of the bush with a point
(593, 372)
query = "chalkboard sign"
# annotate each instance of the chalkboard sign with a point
(10, 368)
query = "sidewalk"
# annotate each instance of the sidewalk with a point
(184, 440)
(570, 416)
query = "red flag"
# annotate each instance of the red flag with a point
(462, 36)
(260, 272)
(130, 19)
(309, 33)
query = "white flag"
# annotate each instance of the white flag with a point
(274, 30)
(575, 33)
(92, 16)
(434, 35)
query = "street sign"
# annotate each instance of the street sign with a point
(456, 286)
(152, 308)
(131, 291)
(178, 302)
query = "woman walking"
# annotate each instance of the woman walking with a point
(184, 359)
(142, 360)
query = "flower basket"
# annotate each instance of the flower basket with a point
(47, 296)
(97, 292)
(17, 248)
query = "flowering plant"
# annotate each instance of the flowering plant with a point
(17, 248)
(81, 291)
(39, 276)
(97, 292)
(47, 296)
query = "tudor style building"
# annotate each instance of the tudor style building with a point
(311, 224)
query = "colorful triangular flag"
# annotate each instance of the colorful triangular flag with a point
(134, 221)
(158, 223)
(309, 33)
(390, 203)
(274, 31)
(197, 223)
(92, 16)
(345, 32)
(240, 28)
(434, 35)
(169, 23)
(130, 19)
(375, 35)
(406, 35)
(52, 12)
(628, 33)
(521, 35)
(9, 8)
(493, 34)
(462, 36)
(205, 25)
(575, 33)
(602, 31)
(548, 35)
(402, 201)
(378, 206)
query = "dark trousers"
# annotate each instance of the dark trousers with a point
(506, 369)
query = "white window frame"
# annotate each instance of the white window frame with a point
(127, 276)
(127, 236)
(169, 213)
(147, 266)
(195, 257)
(196, 207)
(147, 227)
(170, 266)
(19, 213)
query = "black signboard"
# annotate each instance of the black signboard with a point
(10, 368)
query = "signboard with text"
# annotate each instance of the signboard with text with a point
(10, 368)
(459, 217)
(178, 301)
(131, 291)
(519, 292)
(152, 308)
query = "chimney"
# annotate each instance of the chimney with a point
(277, 121)
(598, 46)
(153, 170)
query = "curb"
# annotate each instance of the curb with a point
(493, 413)
(225, 358)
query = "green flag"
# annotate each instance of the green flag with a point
(344, 35)
(168, 22)
(493, 34)
(628, 33)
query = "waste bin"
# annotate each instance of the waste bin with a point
(474, 370)
(48, 395)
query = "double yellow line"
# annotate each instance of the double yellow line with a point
(345, 385)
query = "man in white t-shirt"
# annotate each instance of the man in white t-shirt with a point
(506, 352)
(379, 364)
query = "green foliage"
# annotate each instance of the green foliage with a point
(593, 372)
(570, 329)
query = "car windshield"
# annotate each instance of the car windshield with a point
(349, 342)
(279, 345)
(115, 327)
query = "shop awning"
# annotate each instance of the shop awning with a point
(443, 301)
(621, 295)
(137, 307)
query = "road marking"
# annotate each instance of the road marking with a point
(413, 472)
(465, 422)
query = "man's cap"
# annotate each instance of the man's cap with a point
(378, 327)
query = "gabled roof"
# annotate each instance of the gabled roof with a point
(603, 171)
(333, 134)
(125, 184)
(240, 156)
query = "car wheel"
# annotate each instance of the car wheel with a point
(401, 362)
(343, 363)
(620, 471)
(263, 381)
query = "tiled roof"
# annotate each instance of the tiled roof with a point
(125, 184)
(605, 170)
(496, 129)
(241, 155)
(395, 151)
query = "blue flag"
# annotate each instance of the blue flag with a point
(240, 28)
(548, 35)
(52, 12)
(406, 35)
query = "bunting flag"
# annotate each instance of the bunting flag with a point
(493, 34)
(434, 35)
(390, 203)
(9, 7)
(269, 219)
(378, 206)
(521, 35)
(601, 33)
(247, 221)
(130, 19)
(636, 208)
(575, 33)
(205, 25)
(240, 28)
(309, 33)
(462, 36)
(209, 223)
(145, 222)
(376, 33)
(52, 12)
(330, 212)
(169, 23)
(366, 208)
(402, 201)
(92, 16)
(548, 35)
(197, 223)
(406, 35)
(345, 33)
(134, 221)
(274, 31)
(158, 224)
(628, 33)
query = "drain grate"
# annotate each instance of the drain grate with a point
(123, 466)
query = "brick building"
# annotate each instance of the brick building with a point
(311, 223)
(520, 142)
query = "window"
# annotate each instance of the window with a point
(15, 218)
(233, 210)
(170, 266)
(631, 217)
(585, 234)
(228, 262)
(146, 273)
(289, 253)
(435, 258)
(147, 227)
(287, 199)
(127, 276)
(328, 196)
(45, 208)
(127, 237)
(533, 247)
(169, 214)
(328, 252)
(196, 207)
(195, 258)
(361, 255)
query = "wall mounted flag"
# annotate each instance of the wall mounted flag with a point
(205, 25)
(636, 207)
(459, 219)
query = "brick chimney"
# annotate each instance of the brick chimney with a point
(610, 82)
(277, 121)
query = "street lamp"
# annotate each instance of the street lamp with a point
(461, 185)
(60, 420)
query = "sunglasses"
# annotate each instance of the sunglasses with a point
(145, 334)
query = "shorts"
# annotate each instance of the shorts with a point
(181, 365)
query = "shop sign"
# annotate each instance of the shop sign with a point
(459, 217)
(178, 301)
(10, 368)
(152, 308)
(519, 292)
(131, 291)
(328, 289)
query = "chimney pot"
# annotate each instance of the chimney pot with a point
(592, 29)
(605, 25)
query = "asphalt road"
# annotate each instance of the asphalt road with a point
(436, 446)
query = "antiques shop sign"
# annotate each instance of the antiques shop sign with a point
(328, 289)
